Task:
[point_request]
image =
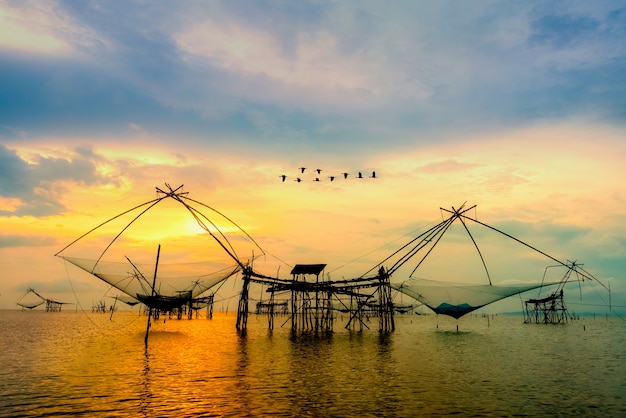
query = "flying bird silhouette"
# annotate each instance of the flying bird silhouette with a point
(317, 179)
(319, 170)
(360, 176)
(298, 179)
(373, 174)
(283, 177)
(345, 175)
(302, 169)
(331, 178)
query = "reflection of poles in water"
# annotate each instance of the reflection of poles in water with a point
(610, 307)
(242, 385)
(146, 393)
(156, 266)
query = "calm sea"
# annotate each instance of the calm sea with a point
(77, 363)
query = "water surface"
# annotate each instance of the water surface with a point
(86, 364)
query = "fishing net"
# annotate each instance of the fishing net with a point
(510, 261)
(457, 299)
(30, 300)
(167, 249)
(172, 280)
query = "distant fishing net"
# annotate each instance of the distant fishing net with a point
(30, 300)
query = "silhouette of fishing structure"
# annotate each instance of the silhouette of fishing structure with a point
(459, 299)
(551, 309)
(178, 293)
(313, 300)
(31, 299)
(309, 299)
(177, 289)
(100, 307)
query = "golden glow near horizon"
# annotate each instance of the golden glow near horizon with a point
(342, 223)
(493, 172)
(479, 171)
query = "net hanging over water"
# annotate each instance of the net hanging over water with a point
(173, 280)
(30, 299)
(449, 298)
(457, 299)
(153, 257)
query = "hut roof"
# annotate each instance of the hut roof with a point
(308, 268)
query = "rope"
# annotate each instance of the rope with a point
(78, 304)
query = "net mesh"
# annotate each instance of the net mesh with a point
(30, 302)
(458, 299)
(172, 280)
(171, 249)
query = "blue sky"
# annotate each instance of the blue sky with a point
(518, 107)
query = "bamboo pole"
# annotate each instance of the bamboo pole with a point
(156, 266)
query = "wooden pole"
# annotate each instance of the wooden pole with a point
(112, 309)
(156, 266)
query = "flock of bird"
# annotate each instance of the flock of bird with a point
(318, 172)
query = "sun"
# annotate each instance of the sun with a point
(192, 227)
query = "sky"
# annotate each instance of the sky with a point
(518, 108)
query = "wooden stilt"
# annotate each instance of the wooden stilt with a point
(156, 266)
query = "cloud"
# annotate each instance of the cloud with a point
(335, 62)
(51, 289)
(43, 28)
(14, 173)
(328, 75)
(32, 29)
(553, 232)
(560, 31)
(446, 166)
(10, 241)
(35, 185)
(567, 39)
